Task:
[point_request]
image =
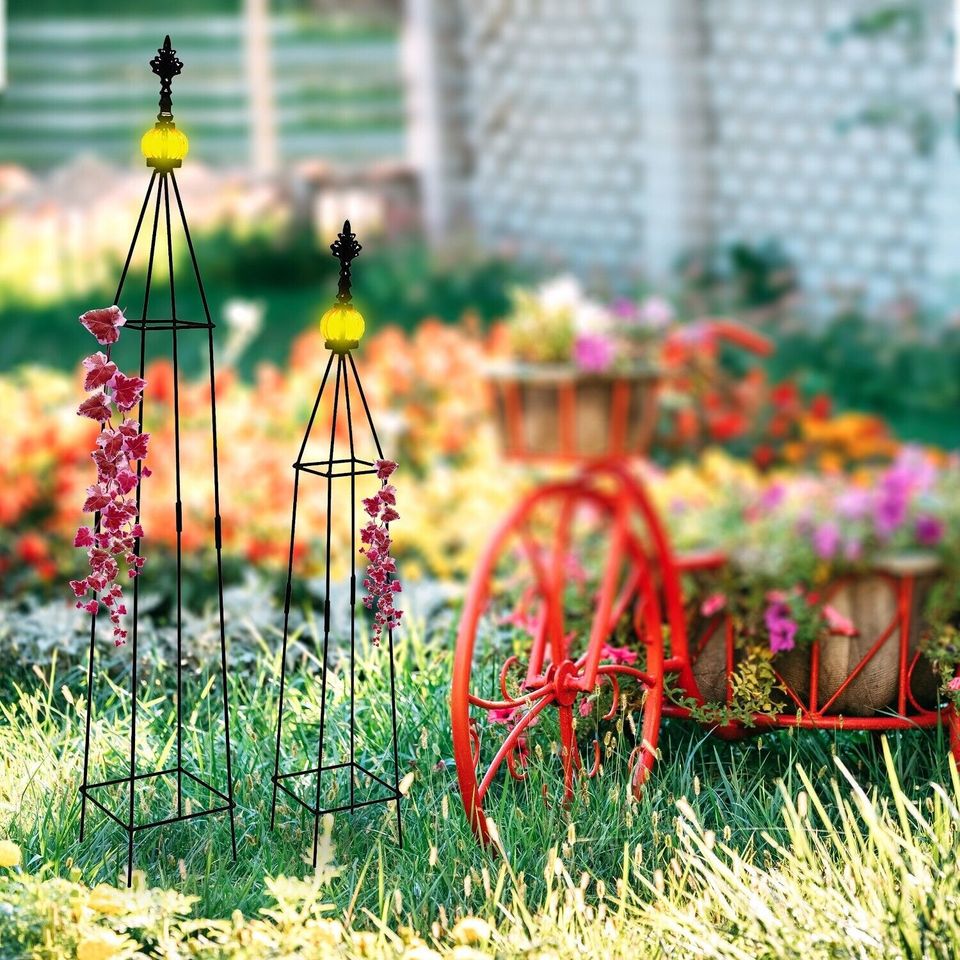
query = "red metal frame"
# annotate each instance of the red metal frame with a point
(637, 542)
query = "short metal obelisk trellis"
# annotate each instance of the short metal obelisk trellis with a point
(347, 390)
(164, 147)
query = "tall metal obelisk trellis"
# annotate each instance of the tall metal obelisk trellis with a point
(164, 147)
(342, 333)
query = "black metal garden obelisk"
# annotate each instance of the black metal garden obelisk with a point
(186, 794)
(325, 784)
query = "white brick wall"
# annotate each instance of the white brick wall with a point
(617, 134)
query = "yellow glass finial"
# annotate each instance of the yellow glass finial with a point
(342, 327)
(164, 146)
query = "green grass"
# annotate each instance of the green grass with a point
(740, 792)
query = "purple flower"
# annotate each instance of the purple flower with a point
(626, 310)
(890, 508)
(853, 503)
(893, 499)
(781, 628)
(915, 469)
(656, 313)
(852, 549)
(773, 496)
(594, 353)
(826, 540)
(929, 530)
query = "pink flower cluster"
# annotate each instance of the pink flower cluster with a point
(119, 447)
(375, 537)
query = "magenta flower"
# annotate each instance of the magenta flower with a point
(838, 624)
(621, 655)
(782, 629)
(929, 530)
(594, 353)
(954, 685)
(656, 313)
(773, 496)
(826, 540)
(853, 503)
(713, 604)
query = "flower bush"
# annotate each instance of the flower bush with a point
(428, 398)
(558, 323)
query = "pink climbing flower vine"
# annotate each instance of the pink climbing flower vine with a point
(111, 544)
(380, 584)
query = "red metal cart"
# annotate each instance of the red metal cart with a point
(607, 624)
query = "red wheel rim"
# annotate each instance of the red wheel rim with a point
(494, 711)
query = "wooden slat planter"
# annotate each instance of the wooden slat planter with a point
(883, 605)
(556, 411)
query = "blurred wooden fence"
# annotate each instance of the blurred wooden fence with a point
(83, 85)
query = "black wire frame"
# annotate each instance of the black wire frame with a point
(345, 370)
(159, 188)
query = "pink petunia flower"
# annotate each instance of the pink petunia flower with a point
(594, 353)
(928, 530)
(713, 604)
(954, 685)
(838, 624)
(621, 655)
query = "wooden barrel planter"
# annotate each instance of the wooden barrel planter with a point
(557, 411)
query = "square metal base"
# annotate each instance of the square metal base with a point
(187, 778)
(361, 782)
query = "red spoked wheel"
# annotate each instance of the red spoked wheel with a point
(565, 576)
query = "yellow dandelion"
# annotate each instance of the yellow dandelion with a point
(9, 854)
(101, 944)
(463, 952)
(326, 933)
(364, 942)
(420, 951)
(471, 930)
(107, 900)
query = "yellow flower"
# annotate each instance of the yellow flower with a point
(463, 952)
(107, 900)
(364, 942)
(9, 854)
(471, 930)
(326, 933)
(101, 944)
(420, 951)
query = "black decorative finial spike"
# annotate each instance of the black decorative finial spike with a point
(345, 248)
(166, 65)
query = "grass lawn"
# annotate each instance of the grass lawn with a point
(727, 853)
